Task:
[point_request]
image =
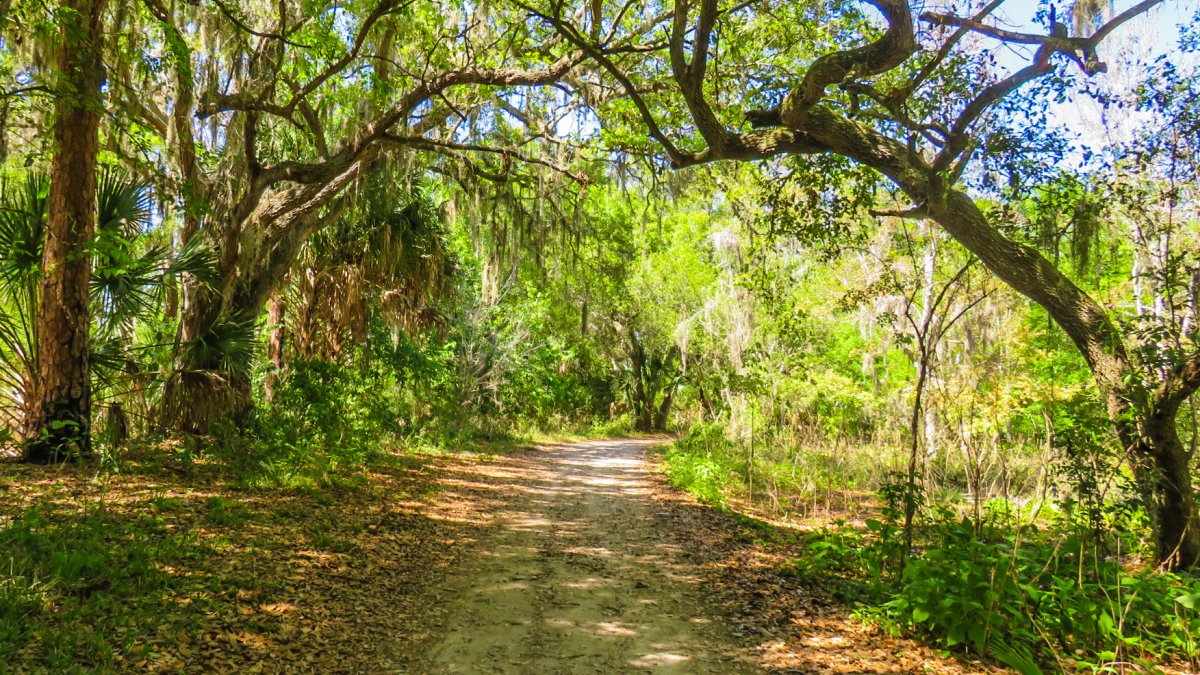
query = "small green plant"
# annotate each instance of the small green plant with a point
(1029, 598)
(226, 512)
(836, 559)
(699, 464)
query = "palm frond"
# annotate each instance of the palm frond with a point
(125, 294)
(1017, 657)
(109, 361)
(196, 259)
(388, 254)
(229, 345)
(124, 204)
(22, 231)
(125, 280)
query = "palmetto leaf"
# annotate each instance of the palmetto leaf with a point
(124, 204)
(22, 226)
(196, 259)
(110, 359)
(229, 345)
(127, 287)
(125, 280)
(1016, 657)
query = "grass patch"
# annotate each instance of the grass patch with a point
(150, 566)
(65, 577)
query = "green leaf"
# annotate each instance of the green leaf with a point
(976, 634)
(1015, 657)
(1189, 600)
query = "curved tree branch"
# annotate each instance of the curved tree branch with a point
(889, 51)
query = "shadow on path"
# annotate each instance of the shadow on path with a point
(574, 577)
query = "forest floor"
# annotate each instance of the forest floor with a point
(573, 557)
(592, 564)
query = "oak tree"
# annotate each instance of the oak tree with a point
(918, 103)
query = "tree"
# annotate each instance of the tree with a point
(131, 268)
(918, 117)
(651, 373)
(59, 420)
(924, 324)
(274, 111)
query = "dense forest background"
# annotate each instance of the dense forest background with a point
(928, 284)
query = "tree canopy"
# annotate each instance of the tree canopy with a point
(944, 253)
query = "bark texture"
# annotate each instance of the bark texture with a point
(275, 319)
(59, 423)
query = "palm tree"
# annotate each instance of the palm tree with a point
(130, 271)
(391, 256)
(23, 206)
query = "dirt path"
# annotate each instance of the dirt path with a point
(576, 558)
(575, 577)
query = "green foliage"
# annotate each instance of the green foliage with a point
(820, 202)
(438, 294)
(699, 463)
(324, 423)
(1031, 595)
(132, 268)
(835, 558)
(60, 572)
(1021, 594)
(226, 512)
(228, 345)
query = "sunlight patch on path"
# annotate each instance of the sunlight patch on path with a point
(574, 578)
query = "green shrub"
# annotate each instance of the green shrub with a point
(994, 591)
(700, 463)
(1020, 595)
(325, 422)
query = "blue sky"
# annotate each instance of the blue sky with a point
(1125, 51)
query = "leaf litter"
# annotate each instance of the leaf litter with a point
(377, 577)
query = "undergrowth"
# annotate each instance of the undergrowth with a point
(65, 577)
(89, 584)
(1042, 587)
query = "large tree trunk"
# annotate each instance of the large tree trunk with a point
(59, 423)
(204, 391)
(1178, 533)
(643, 411)
(275, 318)
(1164, 471)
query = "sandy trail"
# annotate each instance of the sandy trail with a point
(575, 578)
